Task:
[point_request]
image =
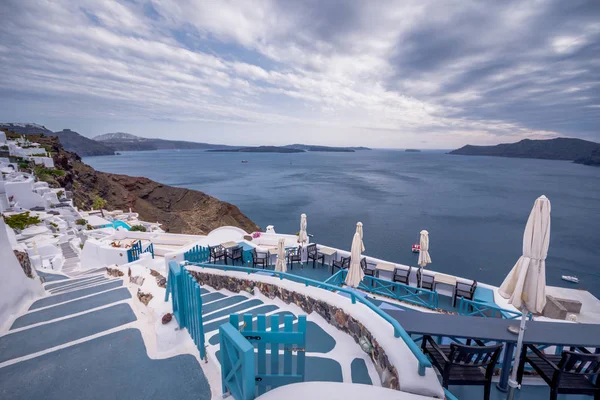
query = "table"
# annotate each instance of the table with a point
(496, 329)
(445, 279)
(229, 245)
(327, 251)
(386, 267)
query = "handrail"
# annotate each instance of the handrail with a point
(479, 309)
(398, 329)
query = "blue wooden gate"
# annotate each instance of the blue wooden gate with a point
(187, 303)
(240, 370)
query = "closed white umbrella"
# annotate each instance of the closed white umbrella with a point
(359, 230)
(302, 235)
(355, 272)
(424, 257)
(525, 285)
(281, 265)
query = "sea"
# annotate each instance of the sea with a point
(475, 208)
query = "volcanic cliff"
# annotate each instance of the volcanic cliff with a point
(179, 210)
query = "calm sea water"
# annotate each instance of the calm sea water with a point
(475, 208)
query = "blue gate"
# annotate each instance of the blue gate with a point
(242, 375)
(133, 254)
(187, 303)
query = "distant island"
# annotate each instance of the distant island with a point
(259, 149)
(577, 150)
(412, 150)
(109, 143)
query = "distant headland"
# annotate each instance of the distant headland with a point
(576, 150)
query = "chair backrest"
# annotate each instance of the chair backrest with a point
(466, 287)
(294, 251)
(311, 248)
(474, 356)
(363, 263)
(421, 277)
(214, 249)
(237, 251)
(402, 272)
(573, 362)
(345, 262)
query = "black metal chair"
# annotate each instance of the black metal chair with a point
(368, 268)
(217, 253)
(313, 254)
(261, 259)
(235, 253)
(342, 263)
(464, 364)
(425, 281)
(464, 290)
(573, 372)
(294, 255)
(402, 275)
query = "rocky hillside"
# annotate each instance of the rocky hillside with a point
(552, 149)
(73, 141)
(592, 159)
(179, 210)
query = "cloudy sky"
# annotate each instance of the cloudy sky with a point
(427, 74)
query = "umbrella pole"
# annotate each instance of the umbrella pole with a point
(512, 382)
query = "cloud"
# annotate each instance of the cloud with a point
(382, 74)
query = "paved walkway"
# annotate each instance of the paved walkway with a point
(81, 342)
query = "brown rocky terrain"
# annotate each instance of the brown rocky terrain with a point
(179, 210)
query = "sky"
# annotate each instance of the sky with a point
(418, 74)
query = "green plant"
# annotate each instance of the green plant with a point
(99, 204)
(21, 221)
(81, 221)
(54, 224)
(89, 227)
(60, 193)
(4, 147)
(81, 246)
(137, 228)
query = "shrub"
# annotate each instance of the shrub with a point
(21, 221)
(60, 193)
(137, 228)
(81, 221)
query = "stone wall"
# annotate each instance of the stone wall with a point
(332, 314)
(25, 262)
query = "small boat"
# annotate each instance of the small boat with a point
(416, 248)
(244, 161)
(570, 278)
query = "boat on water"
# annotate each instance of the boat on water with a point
(570, 278)
(416, 248)
(244, 161)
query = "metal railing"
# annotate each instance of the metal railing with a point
(486, 310)
(395, 290)
(399, 331)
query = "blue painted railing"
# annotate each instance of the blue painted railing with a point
(133, 253)
(244, 378)
(394, 290)
(237, 363)
(187, 303)
(473, 308)
(399, 331)
(197, 254)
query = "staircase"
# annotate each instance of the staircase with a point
(82, 340)
(71, 258)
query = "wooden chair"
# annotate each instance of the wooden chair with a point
(464, 290)
(425, 281)
(313, 254)
(235, 253)
(342, 263)
(368, 268)
(573, 372)
(261, 259)
(402, 275)
(216, 253)
(294, 255)
(464, 364)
